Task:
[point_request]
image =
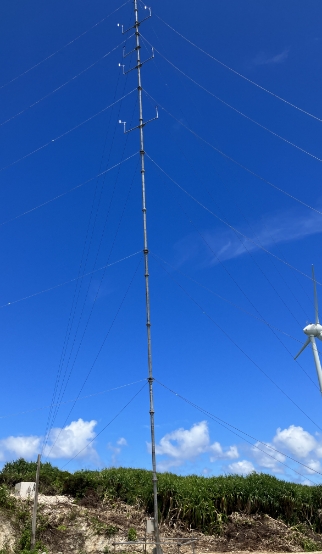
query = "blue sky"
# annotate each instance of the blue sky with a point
(218, 234)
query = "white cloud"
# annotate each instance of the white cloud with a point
(297, 441)
(268, 458)
(19, 447)
(185, 445)
(217, 452)
(67, 442)
(243, 467)
(62, 443)
(122, 442)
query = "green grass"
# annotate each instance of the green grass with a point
(201, 502)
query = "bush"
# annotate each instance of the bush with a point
(132, 535)
(200, 502)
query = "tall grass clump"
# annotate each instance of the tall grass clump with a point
(199, 502)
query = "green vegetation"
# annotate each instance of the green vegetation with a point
(102, 528)
(202, 503)
(132, 534)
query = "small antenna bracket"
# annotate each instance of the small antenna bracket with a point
(143, 124)
(137, 66)
(138, 23)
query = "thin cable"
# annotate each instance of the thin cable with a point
(66, 132)
(233, 430)
(258, 318)
(63, 47)
(66, 379)
(70, 280)
(99, 351)
(233, 108)
(67, 191)
(85, 254)
(270, 327)
(225, 299)
(61, 86)
(108, 424)
(228, 224)
(239, 74)
(233, 160)
(72, 400)
(237, 206)
(67, 376)
(241, 350)
(82, 268)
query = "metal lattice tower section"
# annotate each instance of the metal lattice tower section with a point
(141, 126)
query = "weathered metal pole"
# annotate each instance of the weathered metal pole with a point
(34, 515)
(146, 275)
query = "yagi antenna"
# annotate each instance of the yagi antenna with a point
(314, 331)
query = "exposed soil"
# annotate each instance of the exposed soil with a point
(91, 527)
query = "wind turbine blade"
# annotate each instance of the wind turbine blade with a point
(317, 361)
(303, 348)
(316, 305)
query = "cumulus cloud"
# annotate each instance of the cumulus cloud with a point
(295, 440)
(67, 442)
(19, 447)
(268, 458)
(185, 445)
(243, 467)
(62, 443)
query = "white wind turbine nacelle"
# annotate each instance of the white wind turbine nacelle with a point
(314, 331)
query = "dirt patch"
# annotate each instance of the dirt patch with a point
(90, 526)
(261, 533)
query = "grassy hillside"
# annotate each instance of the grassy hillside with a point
(202, 503)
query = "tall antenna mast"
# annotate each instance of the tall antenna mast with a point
(145, 248)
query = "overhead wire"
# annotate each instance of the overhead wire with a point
(65, 383)
(234, 431)
(290, 143)
(68, 370)
(69, 281)
(205, 313)
(238, 73)
(82, 269)
(240, 308)
(66, 132)
(243, 292)
(61, 86)
(24, 412)
(61, 375)
(65, 46)
(229, 225)
(235, 161)
(107, 425)
(253, 259)
(238, 207)
(99, 351)
(67, 191)
(197, 108)
(65, 376)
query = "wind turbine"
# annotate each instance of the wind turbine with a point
(314, 331)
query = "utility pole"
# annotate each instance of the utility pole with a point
(141, 126)
(34, 515)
